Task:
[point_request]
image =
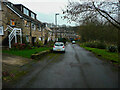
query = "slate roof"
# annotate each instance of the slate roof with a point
(20, 14)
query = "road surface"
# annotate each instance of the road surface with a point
(76, 68)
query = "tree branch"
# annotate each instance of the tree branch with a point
(97, 9)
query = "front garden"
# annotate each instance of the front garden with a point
(26, 50)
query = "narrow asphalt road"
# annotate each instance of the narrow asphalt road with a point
(76, 68)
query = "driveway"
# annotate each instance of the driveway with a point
(76, 68)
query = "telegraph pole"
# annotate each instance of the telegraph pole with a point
(56, 25)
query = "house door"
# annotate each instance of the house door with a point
(33, 40)
(5, 41)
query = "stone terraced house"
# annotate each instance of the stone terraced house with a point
(20, 24)
(49, 33)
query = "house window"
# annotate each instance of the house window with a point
(1, 30)
(43, 38)
(26, 23)
(39, 28)
(45, 24)
(11, 5)
(27, 38)
(40, 38)
(26, 11)
(33, 15)
(12, 22)
(49, 39)
(33, 26)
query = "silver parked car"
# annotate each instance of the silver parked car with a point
(59, 46)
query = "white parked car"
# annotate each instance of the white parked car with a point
(73, 42)
(59, 46)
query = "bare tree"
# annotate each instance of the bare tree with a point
(83, 11)
(94, 10)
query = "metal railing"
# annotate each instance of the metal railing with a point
(14, 33)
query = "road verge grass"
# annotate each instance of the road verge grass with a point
(104, 54)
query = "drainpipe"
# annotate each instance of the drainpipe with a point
(30, 32)
(21, 28)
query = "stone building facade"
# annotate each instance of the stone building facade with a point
(19, 16)
(48, 34)
(7, 17)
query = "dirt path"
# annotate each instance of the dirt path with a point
(15, 65)
(14, 60)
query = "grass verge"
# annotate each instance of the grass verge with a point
(12, 75)
(26, 53)
(109, 56)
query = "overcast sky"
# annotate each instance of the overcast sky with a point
(46, 9)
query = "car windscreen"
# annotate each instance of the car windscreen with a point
(58, 44)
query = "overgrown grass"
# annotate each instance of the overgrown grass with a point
(14, 74)
(114, 57)
(26, 53)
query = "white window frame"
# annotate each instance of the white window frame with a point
(2, 30)
(40, 38)
(33, 15)
(26, 11)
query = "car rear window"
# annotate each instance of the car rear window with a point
(58, 44)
